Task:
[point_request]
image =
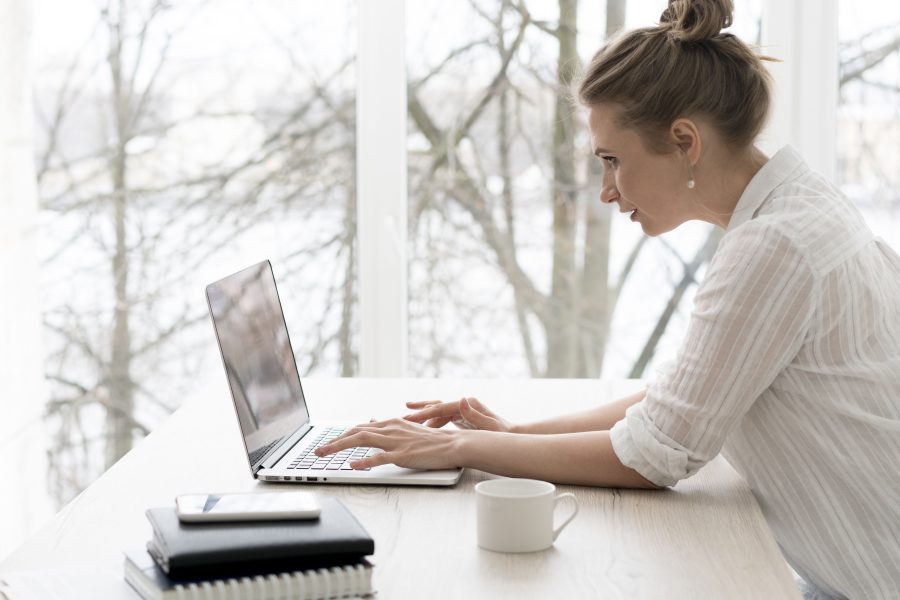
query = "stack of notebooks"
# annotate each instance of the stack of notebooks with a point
(313, 559)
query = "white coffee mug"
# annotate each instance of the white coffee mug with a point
(516, 515)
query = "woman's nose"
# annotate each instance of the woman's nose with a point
(608, 193)
(608, 190)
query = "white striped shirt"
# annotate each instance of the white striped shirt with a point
(791, 368)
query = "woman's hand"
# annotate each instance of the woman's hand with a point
(405, 444)
(467, 413)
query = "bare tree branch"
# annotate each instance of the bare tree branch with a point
(854, 67)
(545, 26)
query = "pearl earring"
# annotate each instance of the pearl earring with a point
(691, 182)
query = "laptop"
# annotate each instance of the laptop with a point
(268, 398)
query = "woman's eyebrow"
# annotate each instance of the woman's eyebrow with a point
(599, 151)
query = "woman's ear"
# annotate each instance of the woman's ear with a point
(686, 135)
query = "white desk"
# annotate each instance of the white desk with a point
(706, 538)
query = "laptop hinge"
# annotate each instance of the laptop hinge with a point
(277, 453)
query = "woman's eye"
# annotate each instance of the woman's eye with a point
(612, 161)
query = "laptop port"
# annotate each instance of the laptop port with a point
(312, 478)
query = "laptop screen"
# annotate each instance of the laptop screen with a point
(259, 361)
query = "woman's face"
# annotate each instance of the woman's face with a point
(650, 186)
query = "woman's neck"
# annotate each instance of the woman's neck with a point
(733, 172)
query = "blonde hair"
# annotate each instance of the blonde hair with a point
(683, 67)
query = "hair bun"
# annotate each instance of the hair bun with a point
(696, 20)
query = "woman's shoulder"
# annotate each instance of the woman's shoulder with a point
(814, 218)
(758, 246)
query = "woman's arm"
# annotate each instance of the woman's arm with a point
(469, 413)
(601, 418)
(584, 458)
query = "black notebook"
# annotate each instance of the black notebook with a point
(203, 550)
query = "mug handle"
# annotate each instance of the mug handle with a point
(568, 520)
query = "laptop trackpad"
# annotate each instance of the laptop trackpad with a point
(404, 474)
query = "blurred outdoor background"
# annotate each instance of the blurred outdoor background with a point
(175, 142)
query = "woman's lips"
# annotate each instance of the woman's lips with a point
(633, 211)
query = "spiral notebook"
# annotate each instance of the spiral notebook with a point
(348, 581)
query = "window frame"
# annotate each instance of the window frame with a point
(381, 114)
(803, 36)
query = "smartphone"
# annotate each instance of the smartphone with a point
(251, 506)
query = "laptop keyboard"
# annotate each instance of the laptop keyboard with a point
(307, 460)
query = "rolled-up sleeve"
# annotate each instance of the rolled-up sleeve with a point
(749, 321)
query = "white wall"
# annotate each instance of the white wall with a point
(24, 503)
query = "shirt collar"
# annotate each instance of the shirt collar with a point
(772, 174)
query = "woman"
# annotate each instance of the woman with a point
(791, 362)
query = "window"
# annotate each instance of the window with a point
(868, 127)
(177, 143)
(515, 268)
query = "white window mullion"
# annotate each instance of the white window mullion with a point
(804, 35)
(381, 187)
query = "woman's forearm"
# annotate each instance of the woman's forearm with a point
(585, 458)
(601, 418)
